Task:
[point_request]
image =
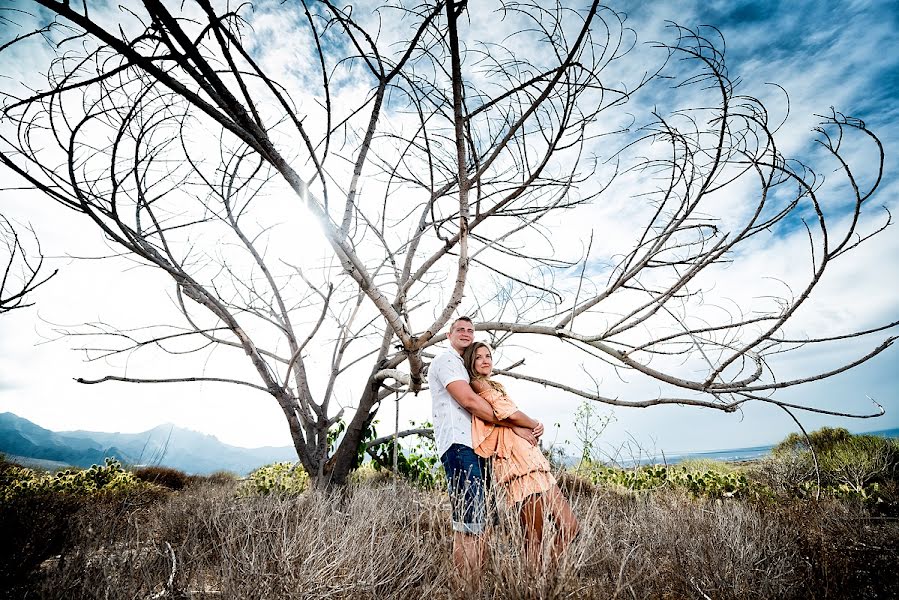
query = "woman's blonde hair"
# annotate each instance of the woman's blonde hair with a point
(468, 358)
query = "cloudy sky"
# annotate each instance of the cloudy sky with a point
(823, 54)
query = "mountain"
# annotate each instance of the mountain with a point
(21, 437)
(166, 445)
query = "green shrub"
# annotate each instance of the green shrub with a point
(821, 439)
(111, 478)
(277, 478)
(708, 464)
(37, 511)
(223, 478)
(33, 527)
(862, 467)
(167, 477)
(417, 465)
(860, 460)
(370, 474)
(708, 483)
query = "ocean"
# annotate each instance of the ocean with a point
(728, 455)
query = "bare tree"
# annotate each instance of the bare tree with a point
(429, 160)
(21, 272)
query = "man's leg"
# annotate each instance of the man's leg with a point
(466, 478)
(469, 555)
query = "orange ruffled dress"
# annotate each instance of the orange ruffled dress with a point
(518, 467)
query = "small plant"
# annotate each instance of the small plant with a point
(279, 478)
(417, 464)
(167, 477)
(588, 426)
(369, 474)
(368, 435)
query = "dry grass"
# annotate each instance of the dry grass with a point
(386, 541)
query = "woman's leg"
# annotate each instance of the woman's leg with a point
(566, 523)
(532, 515)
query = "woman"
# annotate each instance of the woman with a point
(519, 467)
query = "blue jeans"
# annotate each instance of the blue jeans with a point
(466, 474)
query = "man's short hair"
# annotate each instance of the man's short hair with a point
(463, 318)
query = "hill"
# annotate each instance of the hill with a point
(166, 445)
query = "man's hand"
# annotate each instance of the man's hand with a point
(527, 434)
(538, 430)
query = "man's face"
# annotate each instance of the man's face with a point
(461, 335)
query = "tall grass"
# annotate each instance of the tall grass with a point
(393, 541)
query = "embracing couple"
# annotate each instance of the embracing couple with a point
(483, 439)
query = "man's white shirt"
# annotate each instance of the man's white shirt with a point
(452, 423)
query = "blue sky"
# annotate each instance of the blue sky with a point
(824, 54)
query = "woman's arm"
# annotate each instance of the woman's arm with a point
(516, 419)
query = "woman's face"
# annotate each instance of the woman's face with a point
(483, 361)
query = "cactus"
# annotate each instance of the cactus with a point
(108, 478)
(277, 478)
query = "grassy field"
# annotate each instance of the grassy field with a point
(388, 539)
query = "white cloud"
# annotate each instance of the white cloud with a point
(37, 381)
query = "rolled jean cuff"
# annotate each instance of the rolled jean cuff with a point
(466, 482)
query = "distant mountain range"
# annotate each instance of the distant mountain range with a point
(166, 445)
(201, 454)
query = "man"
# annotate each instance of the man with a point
(453, 404)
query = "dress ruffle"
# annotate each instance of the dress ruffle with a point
(519, 468)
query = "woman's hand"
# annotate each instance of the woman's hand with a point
(527, 434)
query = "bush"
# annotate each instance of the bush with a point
(33, 527)
(418, 465)
(373, 542)
(706, 483)
(167, 477)
(38, 509)
(217, 478)
(277, 478)
(860, 460)
(695, 465)
(821, 439)
(371, 475)
(861, 467)
(111, 478)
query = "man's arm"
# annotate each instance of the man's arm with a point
(467, 398)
